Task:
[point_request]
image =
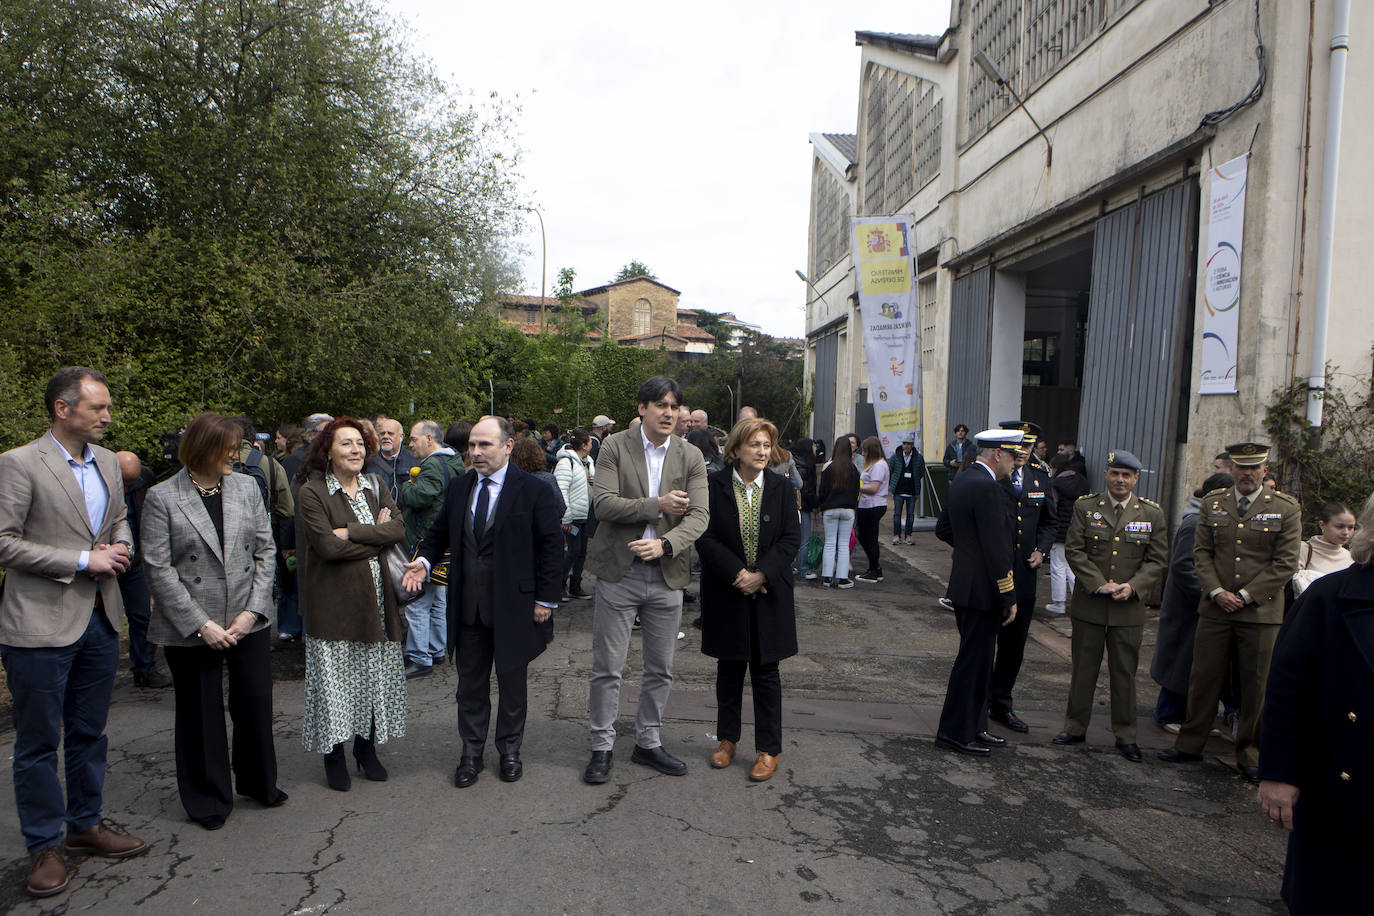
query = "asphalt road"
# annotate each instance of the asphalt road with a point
(865, 813)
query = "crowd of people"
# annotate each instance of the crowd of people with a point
(388, 557)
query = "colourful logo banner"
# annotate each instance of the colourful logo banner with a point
(891, 326)
(1221, 290)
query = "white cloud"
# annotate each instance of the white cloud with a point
(672, 135)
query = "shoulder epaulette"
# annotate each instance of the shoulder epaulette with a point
(1217, 492)
(1283, 496)
(1149, 502)
(1088, 496)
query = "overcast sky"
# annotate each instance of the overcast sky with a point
(671, 134)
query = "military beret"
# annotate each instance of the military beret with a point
(1124, 459)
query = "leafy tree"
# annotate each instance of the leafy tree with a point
(258, 206)
(635, 269)
(711, 323)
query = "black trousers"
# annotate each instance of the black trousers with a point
(866, 524)
(766, 683)
(203, 752)
(965, 712)
(1011, 642)
(574, 555)
(476, 651)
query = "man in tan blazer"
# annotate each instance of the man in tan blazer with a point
(63, 540)
(651, 505)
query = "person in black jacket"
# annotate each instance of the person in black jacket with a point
(804, 455)
(1030, 489)
(959, 451)
(1067, 484)
(748, 618)
(1317, 738)
(977, 521)
(839, 498)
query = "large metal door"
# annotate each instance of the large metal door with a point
(823, 387)
(1141, 302)
(970, 312)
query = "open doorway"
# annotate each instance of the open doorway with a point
(1058, 284)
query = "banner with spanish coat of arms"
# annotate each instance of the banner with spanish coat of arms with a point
(891, 326)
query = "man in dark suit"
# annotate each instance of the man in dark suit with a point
(504, 530)
(63, 540)
(978, 521)
(1034, 536)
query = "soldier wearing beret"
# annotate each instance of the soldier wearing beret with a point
(1248, 540)
(977, 521)
(1118, 548)
(1034, 536)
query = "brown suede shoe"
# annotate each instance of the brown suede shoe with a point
(725, 753)
(763, 767)
(106, 839)
(47, 873)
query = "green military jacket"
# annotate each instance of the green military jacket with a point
(1256, 552)
(1103, 547)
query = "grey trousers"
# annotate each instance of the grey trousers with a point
(642, 591)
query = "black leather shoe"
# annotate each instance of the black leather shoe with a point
(659, 759)
(1249, 772)
(988, 739)
(598, 768)
(156, 679)
(511, 768)
(1010, 719)
(466, 774)
(1066, 738)
(1174, 755)
(1129, 750)
(336, 769)
(413, 670)
(977, 750)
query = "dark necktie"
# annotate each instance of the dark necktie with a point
(1243, 504)
(479, 515)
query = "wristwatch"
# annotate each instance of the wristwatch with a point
(667, 547)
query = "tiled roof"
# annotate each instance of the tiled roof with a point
(548, 301)
(532, 330)
(654, 335)
(847, 144)
(692, 332)
(598, 289)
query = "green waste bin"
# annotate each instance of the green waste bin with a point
(935, 490)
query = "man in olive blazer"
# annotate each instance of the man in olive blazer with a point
(651, 506)
(1248, 540)
(63, 540)
(1118, 548)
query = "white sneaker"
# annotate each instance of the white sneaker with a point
(908, 541)
(896, 540)
(947, 604)
(1055, 607)
(1172, 728)
(812, 576)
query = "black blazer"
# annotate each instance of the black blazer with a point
(527, 562)
(1317, 733)
(724, 610)
(1034, 515)
(979, 520)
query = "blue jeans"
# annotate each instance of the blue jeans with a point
(427, 617)
(61, 694)
(138, 607)
(289, 614)
(835, 559)
(804, 566)
(1171, 707)
(902, 501)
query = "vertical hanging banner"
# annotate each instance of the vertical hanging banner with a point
(887, 304)
(1221, 292)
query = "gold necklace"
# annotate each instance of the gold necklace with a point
(208, 491)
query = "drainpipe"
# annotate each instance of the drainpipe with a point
(1335, 101)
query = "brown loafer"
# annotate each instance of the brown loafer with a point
(106, 839)
(763, 767)
(725, 752)
(47, 873)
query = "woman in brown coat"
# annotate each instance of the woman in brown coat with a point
(354, 666)
(748, 620)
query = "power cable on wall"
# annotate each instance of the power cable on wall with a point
(1213, 118)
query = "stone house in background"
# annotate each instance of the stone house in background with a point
(638, 312)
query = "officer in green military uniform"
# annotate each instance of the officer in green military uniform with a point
(1248, 540)
(1118, 548)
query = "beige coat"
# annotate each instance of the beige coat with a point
(195, 578)
(620, 495)
(43, 529)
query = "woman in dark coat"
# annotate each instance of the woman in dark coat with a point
(748, 618)
(1317, 738)
(1173, 660)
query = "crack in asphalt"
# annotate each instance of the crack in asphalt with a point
(312, 875)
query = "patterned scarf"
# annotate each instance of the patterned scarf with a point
(748, 521)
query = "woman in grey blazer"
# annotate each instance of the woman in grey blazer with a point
(207, 545)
